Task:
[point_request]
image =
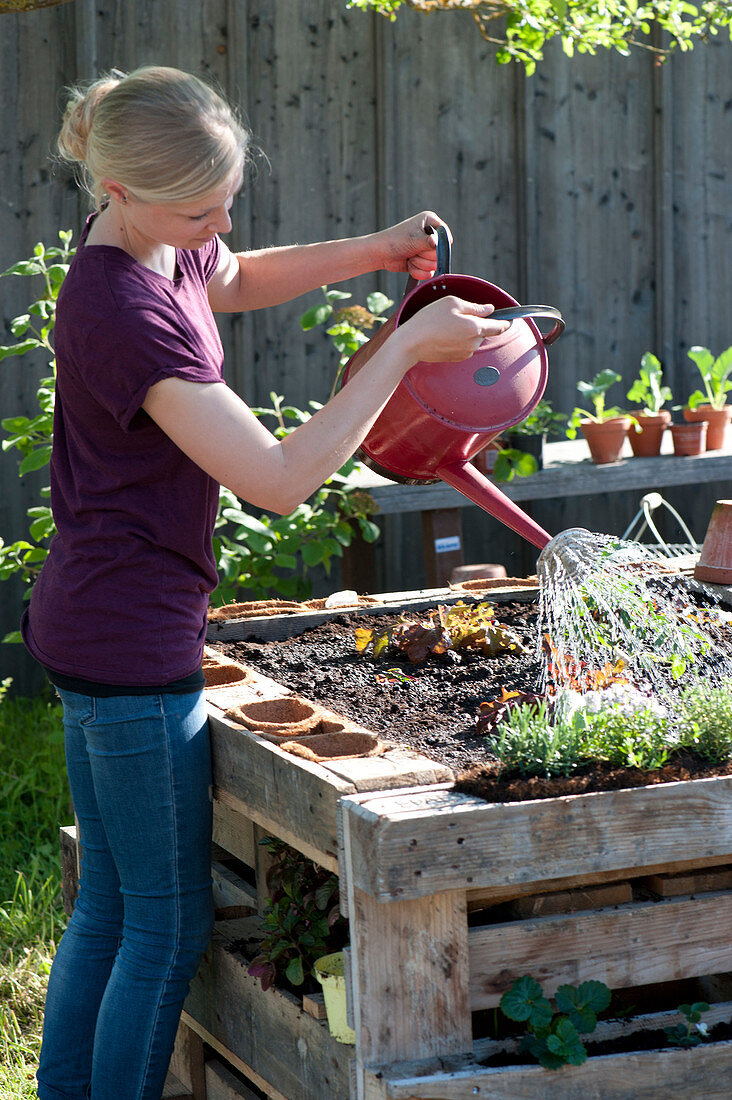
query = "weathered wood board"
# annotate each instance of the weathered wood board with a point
(412, 844)
(266, 1030)
(635, 944)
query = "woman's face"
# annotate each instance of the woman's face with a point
(187, 225)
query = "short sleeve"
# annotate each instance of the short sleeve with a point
(136, 348)
(210, 256)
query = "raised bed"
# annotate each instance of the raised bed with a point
(449, 900)
(574, 877)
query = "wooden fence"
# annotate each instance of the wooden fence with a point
(602, 185)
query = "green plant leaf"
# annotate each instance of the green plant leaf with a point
(318, 315)
(525, 1002)
(36, 459)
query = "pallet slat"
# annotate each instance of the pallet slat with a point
(704, 1071)
(635, 944)
(409, 845)
(293, 1054)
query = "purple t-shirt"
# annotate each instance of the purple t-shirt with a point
(122, 596)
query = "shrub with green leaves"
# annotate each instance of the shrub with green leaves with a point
(302, 920)
(32, 435)
(521, 28)
(349, 326)
(554, 1038)
(637, 739)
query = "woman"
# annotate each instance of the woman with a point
(145, 432)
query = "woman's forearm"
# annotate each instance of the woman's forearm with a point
(270, 276)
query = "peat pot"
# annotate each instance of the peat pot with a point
(717, 421)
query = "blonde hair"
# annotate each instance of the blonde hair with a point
(163, 134)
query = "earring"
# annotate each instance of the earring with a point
(124, 200)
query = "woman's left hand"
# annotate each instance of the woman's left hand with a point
(411, 246)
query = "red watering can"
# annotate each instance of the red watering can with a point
(442, 414)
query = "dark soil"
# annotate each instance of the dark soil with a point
(434, 711)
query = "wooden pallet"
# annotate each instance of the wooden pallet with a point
(449, 900)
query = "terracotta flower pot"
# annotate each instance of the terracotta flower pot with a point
(715, 560)
(717, 421)
(647, 441)
(689, 439)
(605, 438)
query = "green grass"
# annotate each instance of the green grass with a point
(34, 801)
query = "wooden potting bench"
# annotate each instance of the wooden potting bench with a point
(449, 900)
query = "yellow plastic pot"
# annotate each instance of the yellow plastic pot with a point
(329, 972)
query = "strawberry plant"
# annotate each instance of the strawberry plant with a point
(554, 1038)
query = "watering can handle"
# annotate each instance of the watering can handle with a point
(512, 313)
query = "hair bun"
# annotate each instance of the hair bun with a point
(79, 116)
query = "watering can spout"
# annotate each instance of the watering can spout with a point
(471, 483)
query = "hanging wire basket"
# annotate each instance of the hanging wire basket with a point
(660, 548)
(10, 6)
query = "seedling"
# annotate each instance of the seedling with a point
(596, 394)
(692, 1033)
(715, 374)
(446, 628)
(647, 389)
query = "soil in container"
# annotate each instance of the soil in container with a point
(432, 707)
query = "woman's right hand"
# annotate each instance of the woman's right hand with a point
(447, 331)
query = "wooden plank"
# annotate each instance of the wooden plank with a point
(187, 1061)
(651, 1075)
(234, 832)
(398, 767)
(695, 882)
(572, 475)
(222, 1084)
(631, 945)
(407, 973)
(288, 796)
(231, 892)
(442, 542)
(174, 1090)
(412, 844)
(290, 1052)
(570, 901)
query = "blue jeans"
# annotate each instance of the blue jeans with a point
(140, 775)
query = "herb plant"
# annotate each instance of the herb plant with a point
(529, 742)
(302, 921)
(647, 390)
(554, 1038)
(715, 375)
(705, 720)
